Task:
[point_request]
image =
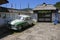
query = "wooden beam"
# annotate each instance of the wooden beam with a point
(3, 2)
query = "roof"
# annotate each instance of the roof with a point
(45, 7)
(3, 9)
(3, 2)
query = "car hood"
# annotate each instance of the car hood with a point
(16, 21)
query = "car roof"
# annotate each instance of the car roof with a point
(24, 15)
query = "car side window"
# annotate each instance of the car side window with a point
(28, 18)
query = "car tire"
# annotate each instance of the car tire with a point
(32, 24)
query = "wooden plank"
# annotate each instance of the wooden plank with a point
(3, 1)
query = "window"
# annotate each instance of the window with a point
(28, 18)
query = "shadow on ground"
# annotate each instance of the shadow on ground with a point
(5, 32)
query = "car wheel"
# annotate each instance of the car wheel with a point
(32, 24)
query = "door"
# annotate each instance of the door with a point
(28, 20)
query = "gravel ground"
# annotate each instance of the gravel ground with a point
(41, 31)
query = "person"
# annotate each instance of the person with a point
(56, 19)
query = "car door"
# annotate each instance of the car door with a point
(28, 20)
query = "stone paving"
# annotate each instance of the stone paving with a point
(41, 31)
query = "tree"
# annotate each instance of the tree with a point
(57, 5)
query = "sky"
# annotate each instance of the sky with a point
(20, 4)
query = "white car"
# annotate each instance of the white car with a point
(21, 22)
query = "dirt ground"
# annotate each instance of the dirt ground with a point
(41, 31)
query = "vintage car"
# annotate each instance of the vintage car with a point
(21, 22)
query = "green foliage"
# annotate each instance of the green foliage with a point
(57, 5)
